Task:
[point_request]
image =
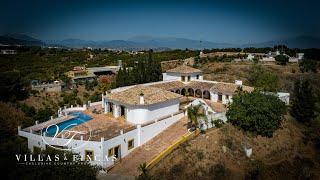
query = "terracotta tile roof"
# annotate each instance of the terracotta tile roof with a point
(169, 85)
(229, 88)
(152, 95)
(184, 69)
(200, 85)
(220, 87)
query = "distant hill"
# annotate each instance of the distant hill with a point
(156, 43)
(297, 42)
(147, 42)
(20, 39)
(178, 43)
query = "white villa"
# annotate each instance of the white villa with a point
(128, 117)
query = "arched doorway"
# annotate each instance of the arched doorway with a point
(191, 92)
(183, 91)
(178, 91)
(198, 93)
(206, 94)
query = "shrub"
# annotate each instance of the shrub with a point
(200, 155)
(282, 59)
(256, 171)
(219, 171)
(307, 65)
(218, 123)
(256, 112)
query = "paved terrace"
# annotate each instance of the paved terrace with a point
(103, 125)
(145, 153)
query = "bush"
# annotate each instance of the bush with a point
(256, 112)
(218, 123)
(219, 171)
(282, 59)
(256, 171)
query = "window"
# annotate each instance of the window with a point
(198, 76)
(130, 144)
(36, 149)
(110, 152)
(227, 96)
(189, 78)
(183, 78)
(89, 155)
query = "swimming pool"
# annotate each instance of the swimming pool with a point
(79, 119)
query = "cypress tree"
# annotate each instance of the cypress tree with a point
(303, 106)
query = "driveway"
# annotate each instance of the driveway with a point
(128, 165)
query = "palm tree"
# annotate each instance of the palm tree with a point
(194, 113)
(143, 168)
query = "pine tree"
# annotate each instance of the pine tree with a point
(303, 106)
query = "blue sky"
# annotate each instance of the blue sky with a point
(218, 21)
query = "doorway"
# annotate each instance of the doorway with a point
(117, 152)
(111, 107)
(122, 111)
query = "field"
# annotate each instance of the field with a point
(229, 72)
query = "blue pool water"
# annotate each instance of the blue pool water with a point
(79, 119)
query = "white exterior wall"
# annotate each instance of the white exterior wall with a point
(150, 131)
(171, 76)
(121, 140)
(214, 96)
(116, 110)
(177, 76)
(224, 99)
(194, 76)
(230, 99)
(144, 114)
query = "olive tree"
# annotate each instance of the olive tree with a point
(256, 112)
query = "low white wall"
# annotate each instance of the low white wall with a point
(74, 109)
(96, 103)
(150, 131)
(212, 117)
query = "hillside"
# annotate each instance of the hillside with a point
(219, 154)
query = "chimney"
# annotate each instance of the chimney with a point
(141, 98)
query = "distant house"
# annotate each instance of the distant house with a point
(183, 73)
(55, 86)
(8, 51)
(300, 56)
(250, 57)
(81, 73)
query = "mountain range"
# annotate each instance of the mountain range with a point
(160, 43)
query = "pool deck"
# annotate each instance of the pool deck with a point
(102, 125)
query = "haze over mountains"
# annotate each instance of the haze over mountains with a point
(160, 43)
